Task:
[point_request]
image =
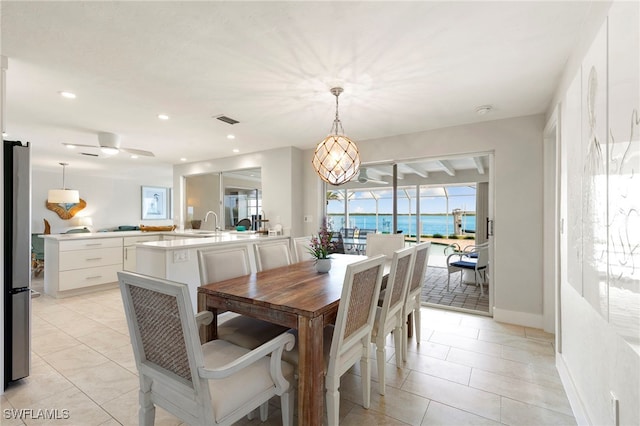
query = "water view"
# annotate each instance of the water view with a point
(431, 223)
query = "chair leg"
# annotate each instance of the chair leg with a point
(448, 279)
(264, 411)
(286, 406)
(147, 411)
(333, 399)
(397, 337)
(365, 370)
(479, 282)
(417, 321)
(381, 356)
(405, 336)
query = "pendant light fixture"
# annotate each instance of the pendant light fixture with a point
(64, 195)
(336, 159)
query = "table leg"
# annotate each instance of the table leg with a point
(410, 325)
(207, 332)
(310, 371)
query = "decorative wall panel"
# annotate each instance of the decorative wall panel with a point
(573, 161)
(594, 174)
(623, 172)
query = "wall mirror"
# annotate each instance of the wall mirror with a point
(233, 195)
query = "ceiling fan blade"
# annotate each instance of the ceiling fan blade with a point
(379, 182)
(137, 152)
(77, 144)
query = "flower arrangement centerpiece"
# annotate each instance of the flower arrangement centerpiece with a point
(321, 248)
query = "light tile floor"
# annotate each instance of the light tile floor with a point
(467, 370)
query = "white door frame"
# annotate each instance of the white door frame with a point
(551, 317)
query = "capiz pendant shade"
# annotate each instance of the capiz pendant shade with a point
(336, 159)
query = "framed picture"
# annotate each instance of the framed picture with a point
(155, 203)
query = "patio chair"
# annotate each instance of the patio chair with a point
(472, 250)
(216, 383)
(412, 303)
(348, 237)
(272, 254)
(222, 263)
(475, 260)
(360, 236)
(389, 317)
(338, 243)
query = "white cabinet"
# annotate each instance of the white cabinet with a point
(81, 263)
(129, 251)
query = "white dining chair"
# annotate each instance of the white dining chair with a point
(389, 316)
(413, 303)
(349, 340)
(385, 244)
(223, 263)
(301, 247)
(216, 383)
(272, 254)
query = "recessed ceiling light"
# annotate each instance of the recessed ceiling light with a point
(236, 150)
(231, 136)
(67, 95)
(163, 116)
(183, 159)
(69, 146)
(134, 156)
(484, 109)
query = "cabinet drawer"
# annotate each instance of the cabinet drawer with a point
(130, 241)
(88, 277)
(94, 243)
(90, 258)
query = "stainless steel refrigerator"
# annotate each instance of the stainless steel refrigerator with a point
(17, 260)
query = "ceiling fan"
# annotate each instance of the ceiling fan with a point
(363, 177)
(109, 144)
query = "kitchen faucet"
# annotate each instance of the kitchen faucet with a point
(216, 228)
(262, 219)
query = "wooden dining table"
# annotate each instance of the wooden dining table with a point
(294, 296)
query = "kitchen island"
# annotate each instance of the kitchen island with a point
(177, 260)
(78, 263)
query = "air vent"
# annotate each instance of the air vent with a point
(226, 119)
(88, 154)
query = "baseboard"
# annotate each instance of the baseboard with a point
(578, 408)
(518, 318)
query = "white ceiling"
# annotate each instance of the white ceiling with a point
(405, 67)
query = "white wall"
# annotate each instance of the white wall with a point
(517, 147)
(281, 170)
(596, 358)
(111, 201)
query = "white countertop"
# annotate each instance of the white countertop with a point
(224, 237)
(91, 235)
